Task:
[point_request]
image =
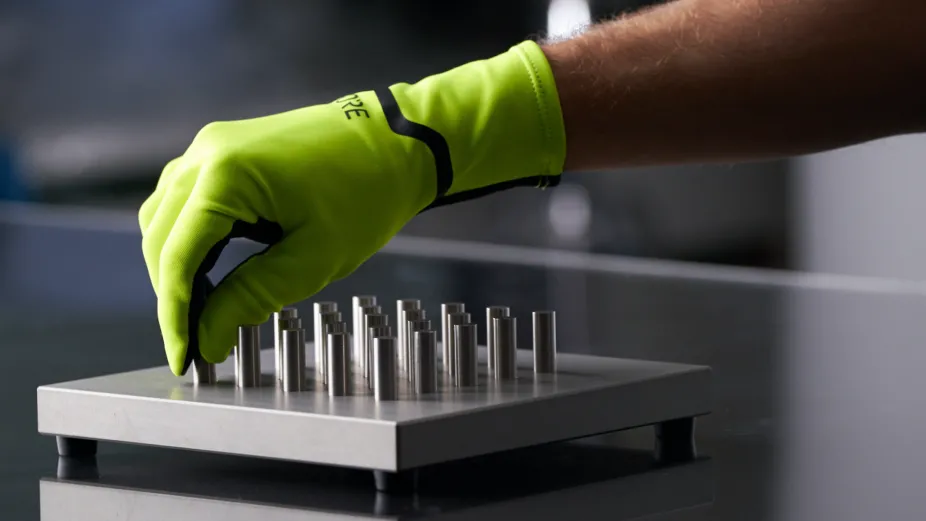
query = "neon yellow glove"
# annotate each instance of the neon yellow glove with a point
(328, 185)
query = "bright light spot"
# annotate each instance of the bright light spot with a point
(570, 211)
(567, 17)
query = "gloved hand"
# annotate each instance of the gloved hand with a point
(327, 186)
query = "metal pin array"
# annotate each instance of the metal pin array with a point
(388, 359)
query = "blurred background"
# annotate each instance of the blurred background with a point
(98, 95)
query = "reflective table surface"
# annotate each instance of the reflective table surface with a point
(818, 393)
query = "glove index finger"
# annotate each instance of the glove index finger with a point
(191, 250)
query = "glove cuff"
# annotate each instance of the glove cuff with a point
(490, 124)
(548, 107)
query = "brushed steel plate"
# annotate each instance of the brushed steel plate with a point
(588, 395)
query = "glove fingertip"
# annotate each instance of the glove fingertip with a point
(176, 360)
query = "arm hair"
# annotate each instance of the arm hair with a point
(729, 80)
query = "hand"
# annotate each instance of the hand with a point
(327, 186)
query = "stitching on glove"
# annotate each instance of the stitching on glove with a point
(537, 86)
(427, 135)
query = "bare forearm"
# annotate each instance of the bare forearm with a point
(727, 80)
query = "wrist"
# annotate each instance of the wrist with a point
(495, 122)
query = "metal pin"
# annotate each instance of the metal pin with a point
(402, 305)
(506, 345)
(404, 337)
(335, 327)
(493, 312)
(321, 351)
(410, 327)
(359, 357)
(369, 321)
(283, 314)
(446, 333)
(464, 343)
(373, 333)
(544, 323)
(293, 360)
(248, 356)
(425, 362)
(203, 372)
(358, 303)
(338, 364)
(385, 385)
(295, 324)
(318, 331)
(450, 347)
(289, 323)
(301, 341)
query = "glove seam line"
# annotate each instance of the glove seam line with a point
(539, 96)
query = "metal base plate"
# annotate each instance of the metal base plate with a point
(588, 395)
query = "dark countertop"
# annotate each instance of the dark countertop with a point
(818, 390)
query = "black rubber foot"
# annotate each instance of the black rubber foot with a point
(76, 447)
(675, 441)
(82, 469)
(403, 482)
(387, 504)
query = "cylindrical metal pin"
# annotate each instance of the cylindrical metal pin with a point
(410, 328)
(404, 337)
(506, 345)
(283, 314)
(385, 386)
(325, 320)
(425, 362)
(450, 347)
(370, 320)
(203, 372)
(373, 333)
(301, 341)
(360, 357)
(288, 323)
(293, 360)
(544, 323)
(464, 343)
(248, 356)
(357, 304)
(318, 331)
(338, 364)
(295, 324)
(402, 305)
(336, 327)
(493, 312)
(446, 332)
